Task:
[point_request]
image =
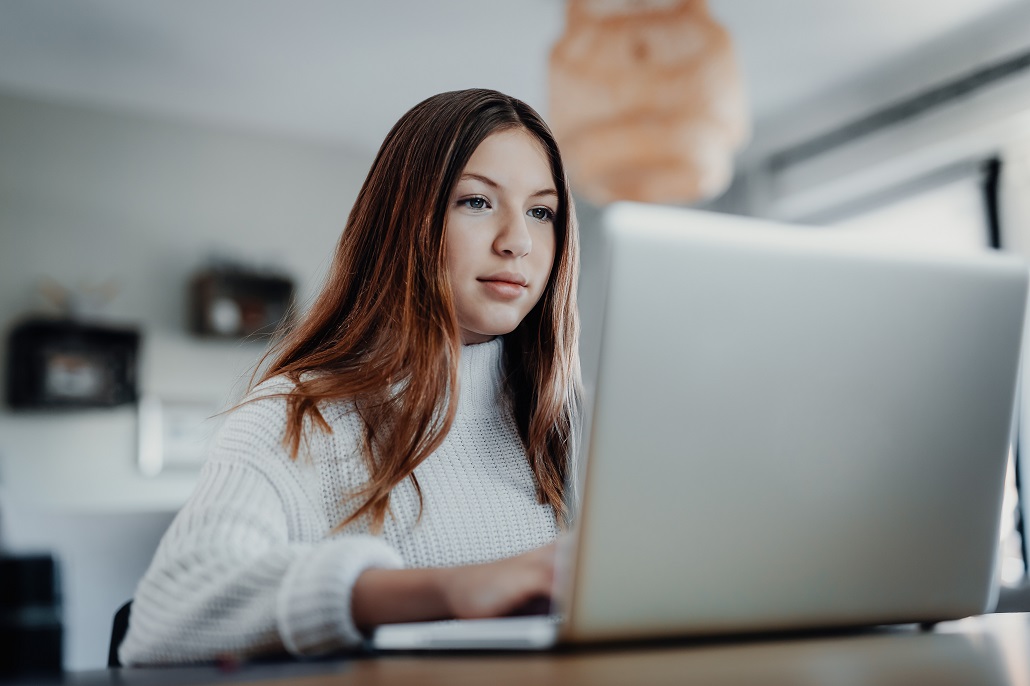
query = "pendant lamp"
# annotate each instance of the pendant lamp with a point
(646, 101)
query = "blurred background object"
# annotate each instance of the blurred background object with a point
(30, 616)
(233, 301)
(64, 363)
(83, 303)
(646, 100)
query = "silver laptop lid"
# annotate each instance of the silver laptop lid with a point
(791, 430)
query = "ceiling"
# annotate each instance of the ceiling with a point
(345, 70)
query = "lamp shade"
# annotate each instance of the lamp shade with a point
(646, 100)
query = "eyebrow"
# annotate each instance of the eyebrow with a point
(493, 184)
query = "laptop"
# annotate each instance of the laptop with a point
(790, 429)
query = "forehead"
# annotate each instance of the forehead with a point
(512, 158)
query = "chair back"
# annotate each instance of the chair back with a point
(119, 628)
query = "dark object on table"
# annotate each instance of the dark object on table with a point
(30, 621)
(234, 303)
(61, 363)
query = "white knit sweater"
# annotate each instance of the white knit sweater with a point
(250, 564)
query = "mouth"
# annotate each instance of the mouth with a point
(513, 278)
(505, 285)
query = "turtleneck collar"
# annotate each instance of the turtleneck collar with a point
(480, 376)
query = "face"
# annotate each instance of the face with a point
(500, 234)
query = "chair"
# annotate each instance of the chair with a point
(119, 628)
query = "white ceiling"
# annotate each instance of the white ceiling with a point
(344, 70)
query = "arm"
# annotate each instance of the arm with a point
(231, 578)
(244, 570)
(227, 581)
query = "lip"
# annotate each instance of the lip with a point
(506, 277)
(505, 285)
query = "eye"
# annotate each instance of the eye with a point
(542, 214)
(476, 202)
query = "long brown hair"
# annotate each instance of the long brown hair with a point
(383, 332)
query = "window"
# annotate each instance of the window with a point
(948, 217)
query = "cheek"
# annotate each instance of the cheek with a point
(457, 249)
(544, 265)
(548, 254)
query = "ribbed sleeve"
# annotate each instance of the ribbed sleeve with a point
(227, 580)
(255, 563)
(314, 615)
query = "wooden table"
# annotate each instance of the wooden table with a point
(992, 650)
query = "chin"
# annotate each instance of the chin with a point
(492, 329)
(499, 331)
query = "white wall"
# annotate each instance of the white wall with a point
(89, 195)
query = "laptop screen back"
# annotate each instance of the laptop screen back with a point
(791, 430)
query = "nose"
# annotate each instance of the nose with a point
(513, 239)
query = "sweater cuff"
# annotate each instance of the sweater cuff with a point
(313, 608)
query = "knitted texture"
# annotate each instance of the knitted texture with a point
(251, 565)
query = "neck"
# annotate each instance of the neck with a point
(480, 375)
(473, 338)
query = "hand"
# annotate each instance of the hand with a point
(495, 589)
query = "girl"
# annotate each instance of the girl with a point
(405, 455)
